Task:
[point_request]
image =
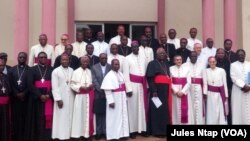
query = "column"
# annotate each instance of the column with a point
(230, 21)
(21, 25)
(49, 20)
(208, 20)
(161, 17)
(71, 20)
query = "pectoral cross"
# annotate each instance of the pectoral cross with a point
(42, 80)
(3, 89)
(67, 82)
(19, 82)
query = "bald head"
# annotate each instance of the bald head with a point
(197, 48)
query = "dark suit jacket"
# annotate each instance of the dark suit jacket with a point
(184, 53)
(97, 78)
(154, 44)
(170, 50)
(74, 62)
(231, 56)
(89, 41)
(93, 60)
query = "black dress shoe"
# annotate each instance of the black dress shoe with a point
(145, 134)
(98, 137)
(132, 135)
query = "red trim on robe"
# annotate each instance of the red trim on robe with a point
(48, 107)
(165, 79)
(142, 80)
(184, 99)
(91, 104)
(4, 100)
(121, 88)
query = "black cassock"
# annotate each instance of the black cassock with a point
(231, 56)
(36, 125)
(171, 52)
(19, 82)
(184, 53)
(74, 62)
(124, 50)
(93, 60)
(5, 91)
(158, 118)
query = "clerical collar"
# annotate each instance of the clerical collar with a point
(90, 55)
(21, 65)
(104, 65)
(42, 65)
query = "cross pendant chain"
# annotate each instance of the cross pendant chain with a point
(3, 89)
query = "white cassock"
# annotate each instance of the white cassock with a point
(36, 49)
(202, 59)
(147, 52)
(240, 100)
(208, 52)
(62, 118)
(117, 40)
(117, 125)
(195, 72)
(59, 49)
(117, 56)
(191, 43)
(174, 41)
(177, 111)
(100, 47)
(134, 68)
(82, 113)
(215, 109)
(79, 49)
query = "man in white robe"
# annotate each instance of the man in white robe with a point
(146, 51)
(114, 55)
(100, 46)
(64, 100)
(240, 98)
(215, 89)
(117, 38)
(172, 39)
(182, 112)
(195, 72)
(134, 70)
(117, 125)
(60, 48)
(41, 47)
(81, 83)
(209, 50)
(79, 46)
(192, 40)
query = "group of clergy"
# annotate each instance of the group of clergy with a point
(121, 89)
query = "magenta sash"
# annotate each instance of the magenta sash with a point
(91, 104)
(48, 107)
(220, 89)
(121, 88)
(142, 80)
(184, 99)
(4, 100)
(48, 61)
(199, 81)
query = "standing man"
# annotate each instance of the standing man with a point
(117, 39)
(241, 90)
(183, 51)
(123, 48)
(83, 117)
(201, 57)
(195, 72)
(146, 51)
(192, 40)
(79, 46)
(39, 81)
(114, 55)
(230, 55)
(64, 100)
(92, 58)
(172, 38)
(60, 48)
(19, 82)
(113, 84)
(100, 46)
(151, 41)
(159, 82)
(215, 89)
(74, 62)
(88, 36)
(41, 47)
(209, 50)
(4, 57)
(134, 70)
(182, 111)
(98, 73)
(169, 48)
(5, 91)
